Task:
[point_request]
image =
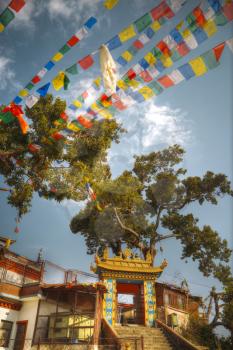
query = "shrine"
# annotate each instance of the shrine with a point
(130, 283)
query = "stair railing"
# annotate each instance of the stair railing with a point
(177, 340)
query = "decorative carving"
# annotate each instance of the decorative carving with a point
(127, 253)
(164, 264)
(105, 253)
(148, 257)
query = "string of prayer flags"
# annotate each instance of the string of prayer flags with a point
(109, 4)
(108, 69)
(17, 112)
(74, 40)
(9, 13)
(92, 196)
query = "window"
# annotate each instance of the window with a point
(5, 332)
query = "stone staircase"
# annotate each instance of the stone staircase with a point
(153, 338)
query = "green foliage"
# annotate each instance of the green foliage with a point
(61, 168)
(146, 206)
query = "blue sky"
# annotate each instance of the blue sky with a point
(196, 114)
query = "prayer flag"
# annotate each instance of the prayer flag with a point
(150, 58)
(58, 81)
(218, 50)
(86, 62)
(228, 10)
(170, 42)
(109, 4)
(127, 33)
(7, 117)
(57, 57)
(17, 100)
(215, 4)
(166, 61)
(66, 82)
(138, 44)
(220, 19)
(186, 71)
(175, 34)
(36, 79)
(31, 100)
(155, 26)
(105, 114)
(49, 65)
(146, 92)
(73, 41)
(16, 5)
(43, 90)
(210, 27)
(33, 148)
(143, 22)
(72, 69)
(158, 11)
(29, 86)
(1, 27)
(73, 107)
(176, 76)
(146, 76)
(131, 74)
(6, 17)
(210, 59)
(127, 56)
(200, 35)
(85, 122)
(190, 41)
(114, 43)
(23, 124)
(23, 93)
(198, 66)
(200, 18)
(157, 89)
(143, 63)
(73, 126)
(121, 61)
(149, 32)
(165, 81)
(143, 38)
(64, 49)
(182, 49)
(42, 73)
(81, 33)
(230, 44)
(162, 46)
(90, 22)
(77, 103)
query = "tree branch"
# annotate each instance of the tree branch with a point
(162, 237)
(158, 218)
(125, 227)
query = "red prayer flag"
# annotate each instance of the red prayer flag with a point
(84, 95)
(162, 10)
(200, 18)
(228, 10)
(183, 49)
(73, 40)
(119, 105)
(64, 116)
(146, 76)
(86, 62)
(23, 124)
(36, 79)
(218, 50)
(84, 122)
(138, 44)
(131, 74)
(17, 5)
(33, 147)
(162, 46)
(168, 12)
(57, 136)
(165, 81)
(16, 110)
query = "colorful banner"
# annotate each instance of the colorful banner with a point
(9, 13)
(74, 40)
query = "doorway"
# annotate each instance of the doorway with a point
(20, 335)
(130, 303)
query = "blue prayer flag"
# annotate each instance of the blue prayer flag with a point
(73, 107)
(175, 34)
(43, 90)
(122, 61)
(149, 32)
(186, 71)
(17, 100)
(215, 4)
(159, 66)
(90, 22)
(200, 35)
(114, 43)
(49, 65)
(143, 63)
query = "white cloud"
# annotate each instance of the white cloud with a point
(26, 17)
(6, 72)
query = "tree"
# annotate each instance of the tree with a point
(150, 204)
(61, 167)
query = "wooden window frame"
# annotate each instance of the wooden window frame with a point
(7, 340)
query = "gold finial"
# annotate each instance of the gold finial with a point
(164, 264)
(105, 253)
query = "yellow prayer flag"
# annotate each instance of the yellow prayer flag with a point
(105, 114)
(150, 58)
(133, 83)
(57, 57)
(155, 26)
(146, 92)
(97, 81)
(77, 103)
(109, 4)
(198, 66)
(186, 33)
(180, 25)
(95, 107)
(127, 56)
(1, 27)
(127, 33)
(166, 61)
(73, 127)
(58, 81)
(122, 85)
(210, 27)
(23, 93)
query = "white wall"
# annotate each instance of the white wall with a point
(9, 315)
(28, 313)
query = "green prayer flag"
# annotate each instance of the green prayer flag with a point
(7, 117)
(175, 56)
(6, 17)
(66, 82)
(156, 52)
(220, 19)
(133, 50)
(64, 49)
(73, 69)
(210, 59)
(157, 89)
(143, 22)
(29, 86)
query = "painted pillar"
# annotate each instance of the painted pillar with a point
(109, 302)
(150, 303)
